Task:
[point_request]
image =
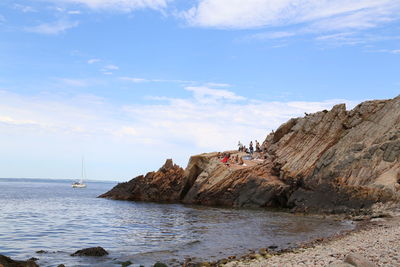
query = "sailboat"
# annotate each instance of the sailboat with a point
(80, 184)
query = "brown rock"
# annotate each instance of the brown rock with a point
(8, 262)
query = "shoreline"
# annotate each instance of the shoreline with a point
(374, 239)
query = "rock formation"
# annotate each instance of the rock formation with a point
(329, 161)
(8, 262)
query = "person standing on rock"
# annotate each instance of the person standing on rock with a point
(258, 149)
(251, 147)
(240, 145)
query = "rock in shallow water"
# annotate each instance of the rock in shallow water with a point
(8, 262)
(93, 252)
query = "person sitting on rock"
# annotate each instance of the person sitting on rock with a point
(237, 159)
(226, 159)
(240, 161)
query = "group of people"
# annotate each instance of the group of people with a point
(227, 159)
(250, 149)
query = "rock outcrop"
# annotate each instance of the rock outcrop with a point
(330, 161)
(8, 262)
(165, 185)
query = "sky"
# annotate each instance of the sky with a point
(129, 83)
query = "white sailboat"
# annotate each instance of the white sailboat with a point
(80, 184)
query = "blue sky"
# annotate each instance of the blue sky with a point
(128, 83)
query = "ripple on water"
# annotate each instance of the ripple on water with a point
(51, 216)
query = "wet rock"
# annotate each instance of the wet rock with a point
(125, 263)
(223, 261)
(8, 262)
(263, 251)
(273, 247)
(41, 251)
(160, 264)
(61, 265)
(92, 252)
(358, 260)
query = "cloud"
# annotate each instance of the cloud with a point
(111, 67)
(141, 80)
(2, 19)
(134, 138)
(93, 60)
(74, 12)
(290, 18)
(133, 79)
(120, 5)
(74, 82)
(272, 35)
(53, 28)
(261, 13)
(107, 70)
(207, 94)
(24, 8)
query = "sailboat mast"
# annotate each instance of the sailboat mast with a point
(82, 171)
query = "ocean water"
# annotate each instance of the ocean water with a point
(50, 215)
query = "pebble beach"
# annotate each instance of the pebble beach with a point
(377, 242)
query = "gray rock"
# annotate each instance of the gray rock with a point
(358, 260)
(342, 264)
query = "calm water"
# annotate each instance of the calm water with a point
(50, 215)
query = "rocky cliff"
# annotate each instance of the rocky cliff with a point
(329, 161)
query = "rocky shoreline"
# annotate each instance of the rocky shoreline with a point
(374, 242)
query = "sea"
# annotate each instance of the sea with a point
(50, 215)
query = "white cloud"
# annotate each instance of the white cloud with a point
(134, 138)
(74, 12)
(74, 82)
(207, 94)
(133, 79)
(53, 28)
(111, 67)
(288, 18)
(121, 5)
(261, 13)
(24, 8)
(272, 35)
(93, 60)
(218, 84)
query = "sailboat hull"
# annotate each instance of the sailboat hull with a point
(78, 186)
